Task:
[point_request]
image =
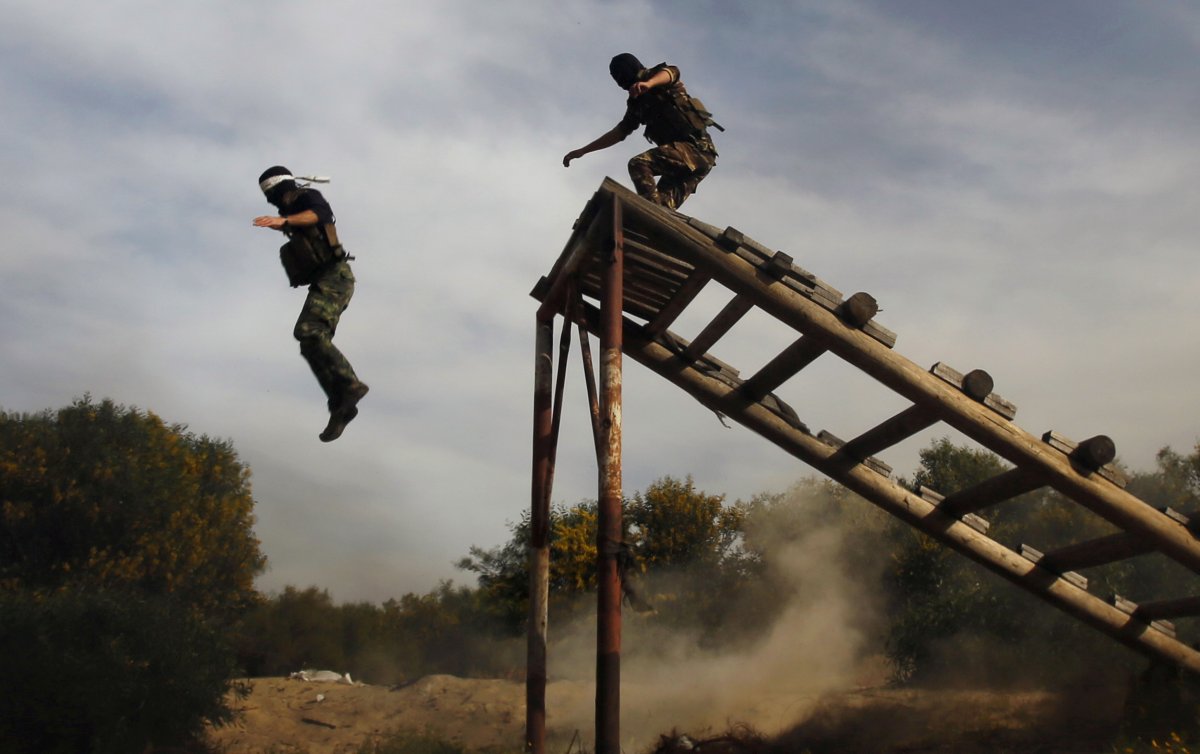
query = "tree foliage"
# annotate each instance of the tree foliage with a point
(114, 498)
(107, 673)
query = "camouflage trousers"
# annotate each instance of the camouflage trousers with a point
(682, 166)
(327, 298)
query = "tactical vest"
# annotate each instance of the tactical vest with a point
(308, 251)
(674, 115)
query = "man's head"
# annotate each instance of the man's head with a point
(275, 182)
(625, 69)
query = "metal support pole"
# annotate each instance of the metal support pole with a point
(539, 540)
(609, 527)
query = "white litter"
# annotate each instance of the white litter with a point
(322, 676)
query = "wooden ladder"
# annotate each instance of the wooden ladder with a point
(669, 258)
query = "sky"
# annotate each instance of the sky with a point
(1013, 181)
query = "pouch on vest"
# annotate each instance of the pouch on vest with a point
(303, 257)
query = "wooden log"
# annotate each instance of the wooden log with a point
(721, 324)
(993, 490)
(1082, 460)
(858, 310)
(891, 431)
(951, 376)
(783, 367)
(978, 384)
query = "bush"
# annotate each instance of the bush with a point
(107, 672)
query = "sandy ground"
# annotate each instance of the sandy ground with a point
(284, 716)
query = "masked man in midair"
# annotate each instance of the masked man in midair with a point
(675, 121)
(314, 257)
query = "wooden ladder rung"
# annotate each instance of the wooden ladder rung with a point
(991, 491)
(684, 296)
(721, 324)
(783, 367)
(892, 431)
(1182, 607)
(1099, 551)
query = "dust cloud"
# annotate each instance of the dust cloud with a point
(818, 644)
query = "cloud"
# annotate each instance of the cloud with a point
(1017, 195)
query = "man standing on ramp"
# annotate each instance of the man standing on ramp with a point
(675, 121)
(313, 256)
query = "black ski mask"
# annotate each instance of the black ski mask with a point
(624, 69)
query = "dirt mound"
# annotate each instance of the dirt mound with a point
(284, 715)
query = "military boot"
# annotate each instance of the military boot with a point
(346, 410)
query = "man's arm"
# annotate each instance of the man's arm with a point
(607, 140)
(662, 78)
(300, 220)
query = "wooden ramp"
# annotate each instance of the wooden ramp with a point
(669, 258)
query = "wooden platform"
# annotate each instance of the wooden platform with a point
(669, 258)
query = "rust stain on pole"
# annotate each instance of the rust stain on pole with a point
(609, 527)
(539, 540)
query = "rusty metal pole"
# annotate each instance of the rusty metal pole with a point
(609, 527)
(539, 540)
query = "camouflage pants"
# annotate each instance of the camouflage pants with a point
(682, 167)
(327, 298)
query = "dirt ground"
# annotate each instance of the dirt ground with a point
(282, 716)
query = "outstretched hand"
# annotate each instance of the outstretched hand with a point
(267, 221)
(573, 154)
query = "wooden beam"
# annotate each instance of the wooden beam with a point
(721, 324)
(891, 431)
(992, 490)
(783, 367)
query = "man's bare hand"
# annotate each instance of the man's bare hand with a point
(639, 88)
(572, 155)
(267, 221)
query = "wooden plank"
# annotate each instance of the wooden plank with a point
(684, 296)
(891, 431)
(721, 324)
(992, 490)
(783, 367)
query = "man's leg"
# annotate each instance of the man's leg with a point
(327, 299)
(688, 166)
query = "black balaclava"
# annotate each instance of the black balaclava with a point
(275, 182)
(625, 69)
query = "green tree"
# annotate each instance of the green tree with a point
(110, 497)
